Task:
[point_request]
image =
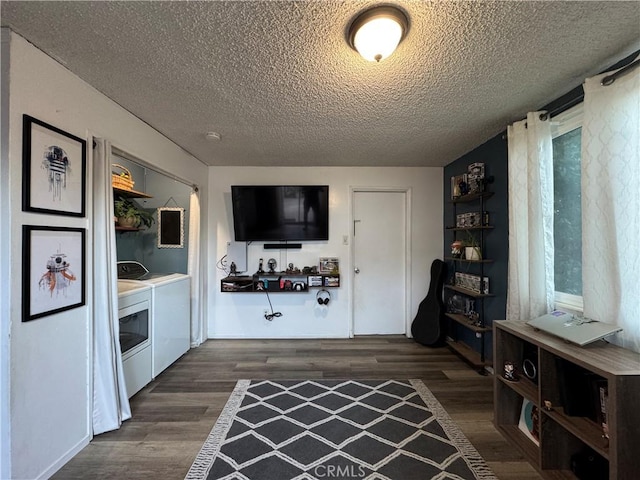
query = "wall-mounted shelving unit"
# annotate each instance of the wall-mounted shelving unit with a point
(567, 417)
(279, 282)
(130, 193)
(478, 326)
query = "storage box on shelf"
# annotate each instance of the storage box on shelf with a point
(469, 276)
(567, 388)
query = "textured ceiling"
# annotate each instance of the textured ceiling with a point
(280, 84)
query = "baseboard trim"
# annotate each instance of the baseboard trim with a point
(61, 462)
(305, 337)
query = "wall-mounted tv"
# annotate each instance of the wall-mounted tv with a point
(280, 212)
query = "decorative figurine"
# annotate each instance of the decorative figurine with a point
(456, 249)
(510, 372)
(272, 265)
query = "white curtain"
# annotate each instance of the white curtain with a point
(110, 400)
(611, 204)
(530, 287)
(194, 270)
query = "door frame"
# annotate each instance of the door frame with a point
(407, 251)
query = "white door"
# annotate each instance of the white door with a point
(379, 247)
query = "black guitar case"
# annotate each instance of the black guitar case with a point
(428, 327)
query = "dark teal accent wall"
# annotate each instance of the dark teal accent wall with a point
(494, 155)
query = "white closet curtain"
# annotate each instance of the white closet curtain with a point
(530, 287)
(611, 204)
(195, 271)
(110, 400)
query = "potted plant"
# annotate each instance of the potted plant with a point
(128, 214)
(472, 250)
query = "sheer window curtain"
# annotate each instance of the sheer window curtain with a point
(110, 399)
(611, 204)
(195, 271)
(530, 288)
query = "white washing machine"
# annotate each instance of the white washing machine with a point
(170, 312)
(134, 315)
(171, 306)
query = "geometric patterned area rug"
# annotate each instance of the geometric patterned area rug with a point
(336, 429)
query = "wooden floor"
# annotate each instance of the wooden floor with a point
(173, 415)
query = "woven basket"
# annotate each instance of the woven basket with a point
(123, 179)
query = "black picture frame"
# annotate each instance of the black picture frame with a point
(53, 270)
(170, 227)
(54, 169)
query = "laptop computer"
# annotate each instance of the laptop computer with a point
(573, 328)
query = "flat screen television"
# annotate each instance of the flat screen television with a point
(280, 212)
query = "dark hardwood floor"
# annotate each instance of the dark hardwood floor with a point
(173, 415)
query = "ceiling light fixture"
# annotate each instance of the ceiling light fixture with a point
(375, 33)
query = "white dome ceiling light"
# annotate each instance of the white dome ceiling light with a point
(376, 33)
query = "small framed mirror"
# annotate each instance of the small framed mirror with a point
(170, 227)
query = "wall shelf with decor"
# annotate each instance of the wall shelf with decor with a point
(464, 321)
(468, 292)
(279, 282)
(468, 286)
(583, 400)
(127, 229)
(120, 194)
(130, 193)
(464, 260)
(480, 227)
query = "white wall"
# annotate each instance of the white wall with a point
(238, 315)
(5, 267)
(50, 358)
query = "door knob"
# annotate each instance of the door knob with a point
(357, 270)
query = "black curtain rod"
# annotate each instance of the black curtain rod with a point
(576, 96)
(564, 103)
(609, 79)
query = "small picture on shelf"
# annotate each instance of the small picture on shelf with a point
(476, 169)
(331, 281)
(459, 186)
(468, 220)
(460, 304)
(475, 178)
(329, 265)
(471, 282)
(529, 422)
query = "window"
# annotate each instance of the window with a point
(566, 130)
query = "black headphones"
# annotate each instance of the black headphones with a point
(323, 297)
